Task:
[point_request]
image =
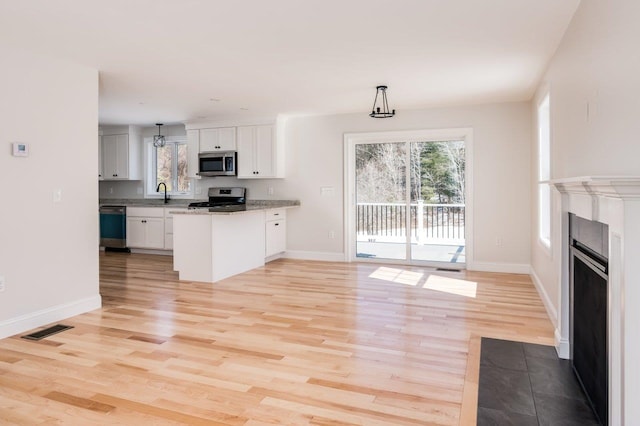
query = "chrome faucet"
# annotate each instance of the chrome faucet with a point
(166, 197)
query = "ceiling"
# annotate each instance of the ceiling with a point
(186, 60)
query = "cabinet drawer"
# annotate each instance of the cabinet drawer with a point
(145, 211)
(276, 214)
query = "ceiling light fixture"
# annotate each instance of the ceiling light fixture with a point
(382, 110)
(158, 140)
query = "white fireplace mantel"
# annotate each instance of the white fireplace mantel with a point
(625, 187)
(615, 201)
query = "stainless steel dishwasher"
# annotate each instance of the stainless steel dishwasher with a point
(113, 228)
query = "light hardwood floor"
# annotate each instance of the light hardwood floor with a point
(293, 343)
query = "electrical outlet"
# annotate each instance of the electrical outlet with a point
(57, 195)
(498, 241)
(139, 190)
(111, 190)
(332, 235)
(1, 284)
(270, 190)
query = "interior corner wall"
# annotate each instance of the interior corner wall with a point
(594, 81)
(501, 178)
(48, 249)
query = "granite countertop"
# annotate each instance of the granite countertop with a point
(143, 202)
(252, 206)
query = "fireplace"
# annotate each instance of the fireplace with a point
(589, 310)
(613, 201)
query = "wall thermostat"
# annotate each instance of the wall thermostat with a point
(20, 149)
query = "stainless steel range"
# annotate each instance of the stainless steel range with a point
(230, 199)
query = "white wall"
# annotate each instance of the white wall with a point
(594, 81)
(500, 181)
(48, 251)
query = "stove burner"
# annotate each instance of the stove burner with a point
(223, 200)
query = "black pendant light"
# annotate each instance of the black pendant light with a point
(382, 108)
(158, 140)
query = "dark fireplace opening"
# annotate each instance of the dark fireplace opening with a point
(589, 311)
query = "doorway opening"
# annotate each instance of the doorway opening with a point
(408, 198)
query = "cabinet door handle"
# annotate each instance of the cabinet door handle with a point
(276, 224)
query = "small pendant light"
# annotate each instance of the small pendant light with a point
(158, 140)
(382, 110)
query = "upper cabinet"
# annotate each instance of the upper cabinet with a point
(121, 159)
(218, 139)
(260, 147)
(115, 161)
(259, 153)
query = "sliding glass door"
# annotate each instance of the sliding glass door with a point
(409, 201)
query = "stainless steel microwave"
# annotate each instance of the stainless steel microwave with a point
(223, 163)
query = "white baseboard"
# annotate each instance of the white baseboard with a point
(314, 255)
(546, 300)
(562, 346)
(273, 257)
(152, 251)
(46, 316)
(510, 268)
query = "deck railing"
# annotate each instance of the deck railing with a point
(428, 221)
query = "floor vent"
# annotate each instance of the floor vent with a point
(448, 270)
(47, 332)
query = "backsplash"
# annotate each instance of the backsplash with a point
(256, 189)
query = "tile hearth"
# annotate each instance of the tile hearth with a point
(527, 384)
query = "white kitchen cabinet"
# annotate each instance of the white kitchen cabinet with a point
(115, 156)
(275, 232)
(209, 248)
(121, 159)
(193, 148)
(145, 227)
(259, 153)
(168, 226)
(218, 139)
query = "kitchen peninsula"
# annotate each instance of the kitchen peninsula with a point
(210, 244)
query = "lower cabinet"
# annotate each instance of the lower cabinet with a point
(145, 227)
(168, 227)
(275, 232)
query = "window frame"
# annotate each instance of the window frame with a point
(151, 170)
(544, 207)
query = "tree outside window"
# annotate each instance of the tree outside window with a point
(170, 167)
